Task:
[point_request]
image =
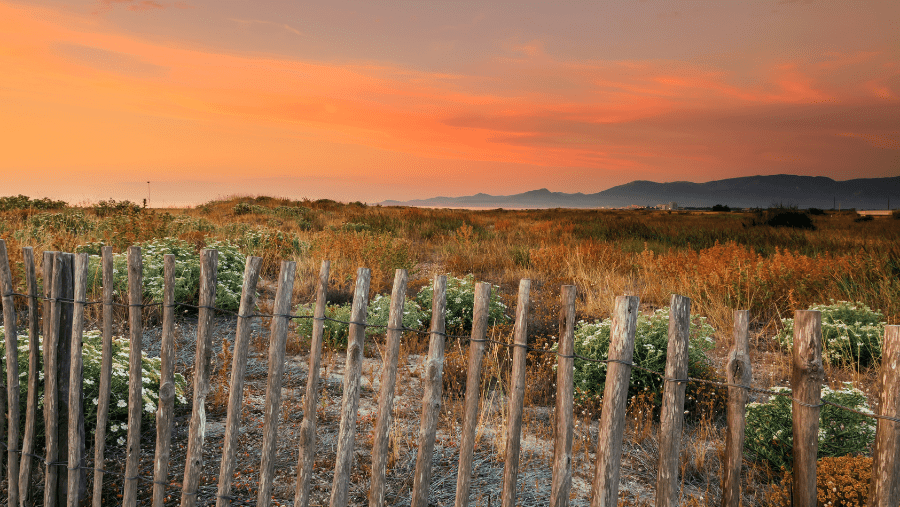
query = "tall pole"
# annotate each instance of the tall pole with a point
(148, 193)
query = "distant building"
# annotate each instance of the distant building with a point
(668, 206)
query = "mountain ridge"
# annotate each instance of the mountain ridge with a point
(742, 192)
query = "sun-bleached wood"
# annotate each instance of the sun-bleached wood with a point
(165, 411)
(885, 486)
(76, 385)
(516, 396)
(135, 370)
(307, 447)
(277, 341)
(27, 462)
(51, 385)
(386, 394)
(106, 260)
(209, 262)
(605, 488)
(737, 371)
(672, 413)
(12, 375)
(236, 385)
(431, 400)
(564, 429)
(350, 400)
(806, 386)
(473, 391)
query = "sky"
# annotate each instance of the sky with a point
(371, 100)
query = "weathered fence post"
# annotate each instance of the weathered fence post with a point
(473, 391)
(386, 393)
(672, 414)
(12, 375)
(806, 383)
(308, 426)
(431, 400)
(350, 402)
(63, 364)
(565, 429)
(277, 342)
(209, 261)
(605, 488)
(885, 487)
(51, 384)
(737, 371)
(516, 395)
(27, 463)
(106, 260)
(76, 385)
(236, 385)
(165, 411)
(135, 369)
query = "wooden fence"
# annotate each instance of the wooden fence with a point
(64, 463)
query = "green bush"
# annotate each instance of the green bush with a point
(24, 202)
(769, 430)
(460, 303)
(230, 273)
(852, 333)
(651, 343)
(336, 334)
(92, 350)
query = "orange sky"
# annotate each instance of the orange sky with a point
(206, 99)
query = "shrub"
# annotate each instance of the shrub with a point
(651, 341)
(769, 430)
(24, 202)
(851, 332)
(118, 399)
(337, 334)
(230, 273)
(721, 207)
(460, 303)
(113, 207)
(840, 482)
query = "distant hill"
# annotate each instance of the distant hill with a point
(746, 192)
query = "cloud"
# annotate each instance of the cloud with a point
(139, 5)
(284, 26)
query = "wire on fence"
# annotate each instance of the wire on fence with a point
(483, 340)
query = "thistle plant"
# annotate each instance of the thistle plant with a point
(461, 301)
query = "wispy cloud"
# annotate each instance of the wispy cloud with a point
(284, 26)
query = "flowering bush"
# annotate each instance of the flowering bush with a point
(650, 348)
(229, 278)
(336, 334)
(851, 332)
(118, 398)
(769, 430)
(460, 303)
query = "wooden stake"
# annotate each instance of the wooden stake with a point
(605, 488)
(885, 487)
(565, 428)
(308, 426)
(135, 369)
(672, 414)
(209, 261)
(273, 385)
(737, 371)
(350, 402)
(431, 400)
(473, 391)
(806, 382)
(516, 396)
(12, 375)
(106, 260)
(51, 385)
(386, 394)
(238, 371)
(27, 462)
(76, 385)
(166, 410)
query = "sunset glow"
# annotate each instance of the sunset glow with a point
(364, 102)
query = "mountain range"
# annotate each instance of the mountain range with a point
(746, 192)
